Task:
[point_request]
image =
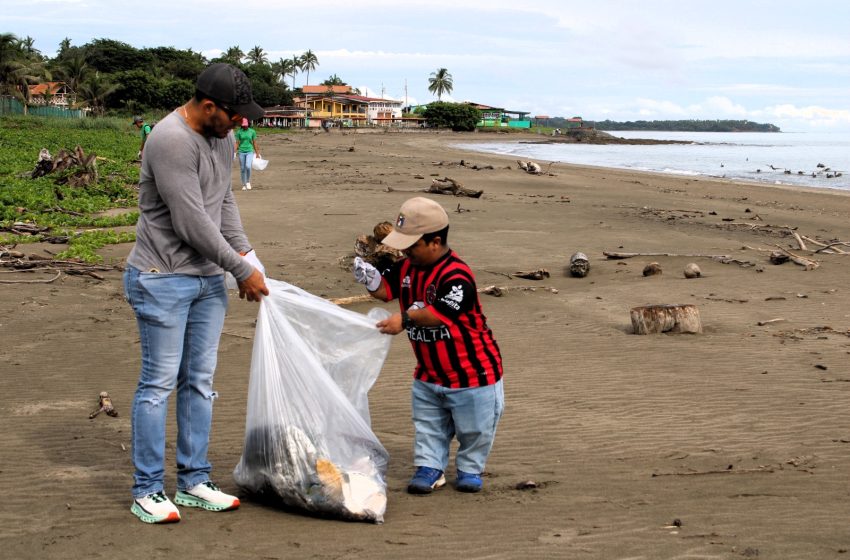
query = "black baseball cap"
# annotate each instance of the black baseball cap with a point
(230, 86)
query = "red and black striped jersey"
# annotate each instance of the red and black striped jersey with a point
(461, 352)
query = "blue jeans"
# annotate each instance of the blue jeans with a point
(180, 318)
(440, 413)
(245, 161)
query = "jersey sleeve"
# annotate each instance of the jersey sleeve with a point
(454, 297)
(392, 280)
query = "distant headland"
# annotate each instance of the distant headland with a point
(689, 125)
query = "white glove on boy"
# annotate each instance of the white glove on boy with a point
(366, 274)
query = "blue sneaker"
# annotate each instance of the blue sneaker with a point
(425, 480)
(468, 482)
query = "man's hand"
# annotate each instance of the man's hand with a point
(366, 274)
(254, 287)
(390, 325)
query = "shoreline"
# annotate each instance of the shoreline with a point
(682, 174)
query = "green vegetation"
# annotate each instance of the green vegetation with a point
(59, 210)
(684, 126)
(113, 78)
(457, 116)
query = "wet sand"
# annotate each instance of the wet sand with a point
(740, 433)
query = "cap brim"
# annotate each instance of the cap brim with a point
(250, 111)
(400, 241)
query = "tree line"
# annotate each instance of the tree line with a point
(109, 76)
(721, 125)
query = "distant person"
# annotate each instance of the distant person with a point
(145, 129)
(246, 149)
(188, 234)
(457, 387)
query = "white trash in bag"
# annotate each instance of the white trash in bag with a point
(308, 440)
(259, 164)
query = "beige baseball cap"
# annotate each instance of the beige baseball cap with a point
(417, 216)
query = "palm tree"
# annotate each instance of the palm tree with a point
(440, 82)
(286, 67)
(309, 62)
(95, 90)
(257, 55)
(296, 68)
(74, 70)
(27, 45)
(233, 55)
(64, 45)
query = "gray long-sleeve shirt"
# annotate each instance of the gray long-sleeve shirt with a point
(188, 219)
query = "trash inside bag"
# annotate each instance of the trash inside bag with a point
(259, 164)
(308, 440)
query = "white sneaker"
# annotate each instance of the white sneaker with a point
(206, 495)
(248, 186)
(155, 508)
(244, 188)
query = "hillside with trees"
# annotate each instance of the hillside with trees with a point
(111, 77)
(720, 125)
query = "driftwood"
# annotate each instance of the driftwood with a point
(616, 255)
(723, 259)
(807, 264)
(82, 167)
(447, 185)
(46, 281)
(370, 249)
(538, 274)
(105, 404)
(530, 167)
(18, 262)
(652, 319)
(579, 265)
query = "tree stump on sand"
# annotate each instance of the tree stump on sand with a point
(652, 319)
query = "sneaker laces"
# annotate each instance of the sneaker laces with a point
(158, 497)
(211, 485)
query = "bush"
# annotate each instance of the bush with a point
(457, 116)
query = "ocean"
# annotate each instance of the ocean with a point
(749, 156)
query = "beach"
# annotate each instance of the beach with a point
(732, 443)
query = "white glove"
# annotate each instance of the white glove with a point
(366, 274)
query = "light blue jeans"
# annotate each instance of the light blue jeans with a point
(180, 318)
(245, 161)
(439, 414)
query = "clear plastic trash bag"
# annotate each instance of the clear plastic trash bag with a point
(308, 440)
(259, 164)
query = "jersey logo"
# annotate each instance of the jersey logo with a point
(431, 294)
(453, 298)
(405, 282)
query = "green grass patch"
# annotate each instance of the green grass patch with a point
(84, 246)
(45, 203)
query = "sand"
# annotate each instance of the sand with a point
(739, 433)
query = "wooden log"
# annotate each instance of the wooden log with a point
(652, 319)
(618, 255)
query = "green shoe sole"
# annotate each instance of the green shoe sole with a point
(148, 518)
(188, 500)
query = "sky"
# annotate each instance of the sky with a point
(786, 62)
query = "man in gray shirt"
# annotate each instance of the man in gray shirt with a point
(189, 233)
